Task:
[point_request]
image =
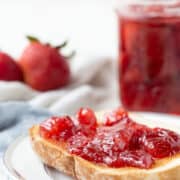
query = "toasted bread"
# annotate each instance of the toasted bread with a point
(55, 155)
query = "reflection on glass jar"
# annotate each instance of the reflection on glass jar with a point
(149, 55)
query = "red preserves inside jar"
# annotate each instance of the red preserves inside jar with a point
(149, 60)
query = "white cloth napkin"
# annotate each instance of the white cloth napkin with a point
(93, 84)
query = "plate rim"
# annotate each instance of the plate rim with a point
(10, 171)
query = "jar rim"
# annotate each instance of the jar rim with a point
(148, 2)
(157, 7)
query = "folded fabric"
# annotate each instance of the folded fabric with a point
(93, 82)
(16, 118)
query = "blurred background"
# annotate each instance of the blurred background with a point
(89, 25)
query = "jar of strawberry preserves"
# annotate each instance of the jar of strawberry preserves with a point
(149, 55)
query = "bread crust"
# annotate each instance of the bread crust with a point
(55, 155)
(51, 153)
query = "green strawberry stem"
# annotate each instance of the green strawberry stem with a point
(32, 39)
(64, 44)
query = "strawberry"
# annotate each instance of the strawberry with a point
(43, 65)
(87, 119)
(9, 69)
(57, 128)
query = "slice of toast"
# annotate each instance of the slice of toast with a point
(55, 155)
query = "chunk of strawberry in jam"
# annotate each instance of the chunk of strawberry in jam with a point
(93, 152)
(136, 140)
(57, 128)
(161, 143)
(115, 116)
(175, 141)
(171, 137)
(87, 120)
(77, 142)
(136, 158)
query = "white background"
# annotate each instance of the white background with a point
(90, 25)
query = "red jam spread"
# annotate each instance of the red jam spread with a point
(149, 60)
(118, 142)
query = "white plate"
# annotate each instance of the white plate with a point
(21, 162)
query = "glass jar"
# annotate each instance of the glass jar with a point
(149, 55)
